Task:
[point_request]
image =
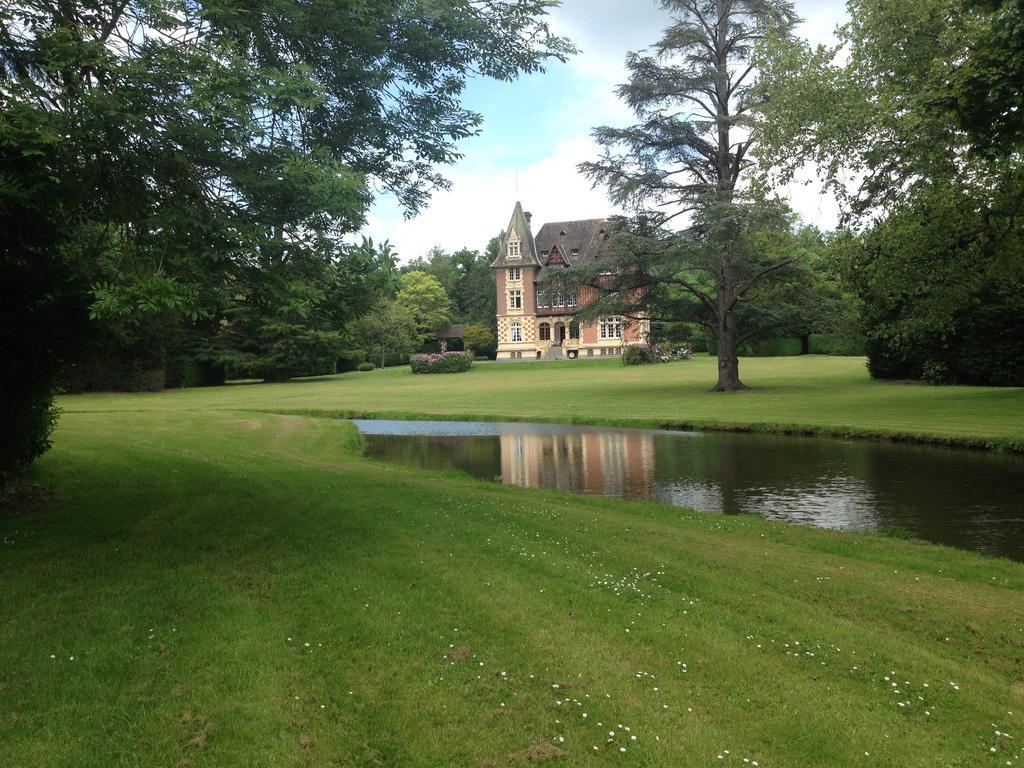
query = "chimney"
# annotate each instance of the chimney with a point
(529, 216)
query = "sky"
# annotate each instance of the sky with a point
(536, 130)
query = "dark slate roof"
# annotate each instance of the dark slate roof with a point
(520, 224)
(585, 235)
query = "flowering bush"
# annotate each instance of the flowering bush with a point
(641, 354)
(441, 362)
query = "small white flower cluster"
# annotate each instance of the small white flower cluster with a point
(725, 755)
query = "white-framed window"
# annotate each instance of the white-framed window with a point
(560, 299)
(515, 273)
(516, 332)
(514, 252)
(515, 299)
(611, 327)
(542, 299)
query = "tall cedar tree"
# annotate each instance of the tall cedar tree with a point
(693, 95)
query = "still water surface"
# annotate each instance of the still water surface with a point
(957, 497)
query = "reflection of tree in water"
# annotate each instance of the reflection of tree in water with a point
(956, 497)
(477, 456)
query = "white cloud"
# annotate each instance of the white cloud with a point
(480, 201)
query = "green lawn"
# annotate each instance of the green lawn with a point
(814, 394)
(215, 584)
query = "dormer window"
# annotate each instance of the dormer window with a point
(575, 251)
(514, 251)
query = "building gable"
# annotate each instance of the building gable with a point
(517, 248)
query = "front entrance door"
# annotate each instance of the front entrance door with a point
(559, 334)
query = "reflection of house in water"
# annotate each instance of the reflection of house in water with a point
(609, 463)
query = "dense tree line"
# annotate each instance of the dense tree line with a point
(915, 119)
(467, 280)
(189, 173)
(434, 291)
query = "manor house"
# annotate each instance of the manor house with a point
(534, 323)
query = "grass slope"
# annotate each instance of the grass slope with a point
(807, 394)
(215, 588)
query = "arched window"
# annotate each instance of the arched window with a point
(545, 331)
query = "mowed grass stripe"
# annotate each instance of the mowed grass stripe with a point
(227, 533)
(812, 394)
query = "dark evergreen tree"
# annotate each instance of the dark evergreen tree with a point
(698, 246)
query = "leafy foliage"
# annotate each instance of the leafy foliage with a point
(173, 161)
(467, 279)
(478, 338)
(424, 299)
(387, 328)
(935, 257)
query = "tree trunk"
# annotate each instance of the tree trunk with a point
(383, 352)
(725, 336)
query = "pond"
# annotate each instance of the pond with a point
(957, 497)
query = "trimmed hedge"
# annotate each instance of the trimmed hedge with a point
(829, 344)
(441, 362)
(772, 346)
(365, 367)
(112, 372)
(182, 371)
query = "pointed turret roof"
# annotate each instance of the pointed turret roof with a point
(519, 224)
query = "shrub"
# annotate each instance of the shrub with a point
(395, 358)
(29, 418)
(365, 367)
(642, 354)
(349, 360)
(478, 338)
(441, 362)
